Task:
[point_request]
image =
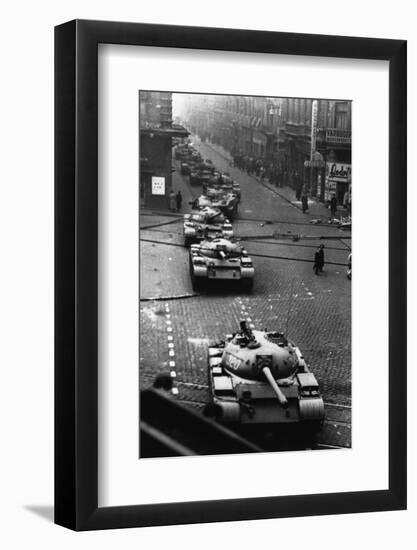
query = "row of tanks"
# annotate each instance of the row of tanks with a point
(258, 379)
(215, 254)
(219, 189)
(192, 164)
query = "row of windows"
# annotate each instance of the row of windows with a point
(330, 114)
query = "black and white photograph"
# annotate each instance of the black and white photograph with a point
(245, 273)
(189, 359)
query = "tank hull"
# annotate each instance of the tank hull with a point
(205, 271)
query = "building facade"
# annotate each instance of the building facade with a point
(301, 142)
(155, 148)
(317, 144)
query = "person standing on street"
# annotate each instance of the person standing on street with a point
(172, 201)
(345, 201)
(348, 201)
(298, 192)
(333, 206)
(178, 200)
(297, 185)
(304, 202)
(319, 260)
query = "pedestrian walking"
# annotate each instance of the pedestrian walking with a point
(275, 176)
(319, 260)
(297, 186)
(333, 206)
(279, 177)
(304, 202)
(172, 201)
(347, 201)
(178, 200)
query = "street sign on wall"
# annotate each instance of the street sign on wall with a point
(316, 161)
(338, 171)
(158, 185)
(313, 128)
(338, 179)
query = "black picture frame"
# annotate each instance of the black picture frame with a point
(76, 272)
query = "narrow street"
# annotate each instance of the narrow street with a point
(177, 324)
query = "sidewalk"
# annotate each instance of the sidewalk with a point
(178, 184)
(316, 210)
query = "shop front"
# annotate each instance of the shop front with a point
(338, 180)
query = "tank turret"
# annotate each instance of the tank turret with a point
(249, 351)
(207, 222)
(222, 183)
(224, 201)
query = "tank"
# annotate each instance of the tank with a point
(185, 168)
(186, 152)
(220, 259)
(222, 182)
(258, 377)
(206, 223)
(201, 173)
(226, 202)
(194, 175)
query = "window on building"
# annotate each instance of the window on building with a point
(291, 110)
(342, 115)
(296, 111)
(302, 111)
(308, 114)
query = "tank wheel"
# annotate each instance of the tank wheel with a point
(196, 282)
(247, 285)
(212, 410)
(310, 432)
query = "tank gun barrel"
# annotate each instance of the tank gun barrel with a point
(281, 397)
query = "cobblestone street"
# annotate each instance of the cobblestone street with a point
(177, 324)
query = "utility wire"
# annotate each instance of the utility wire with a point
(277, 241)
(239, 219)
(252, 254)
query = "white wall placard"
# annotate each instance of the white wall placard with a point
(158, 185)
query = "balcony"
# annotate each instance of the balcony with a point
(336, 136)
